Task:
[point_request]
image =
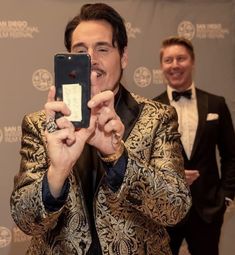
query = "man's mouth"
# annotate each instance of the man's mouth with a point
(98, 72)
(176, 74)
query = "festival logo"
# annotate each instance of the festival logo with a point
(131, 31)
(5, 237)
(1, 135)
(42, 79)
(16, 29)
(158, 77)
(142, 77)
(201, 30)
(186, 29)
(10, 134)
(15, 235)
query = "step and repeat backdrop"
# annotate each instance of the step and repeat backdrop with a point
(31, 32)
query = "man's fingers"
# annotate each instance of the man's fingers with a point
(94, 86)
(105, 97)
(51, 94)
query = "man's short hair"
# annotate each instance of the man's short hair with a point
(99, 11)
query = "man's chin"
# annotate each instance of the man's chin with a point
(175, 85)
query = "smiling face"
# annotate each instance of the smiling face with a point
(95, 38)
(177, 66)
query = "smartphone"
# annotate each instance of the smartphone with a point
(72, 82)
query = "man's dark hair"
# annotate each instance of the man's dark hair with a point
(99, 11)
(177, 40)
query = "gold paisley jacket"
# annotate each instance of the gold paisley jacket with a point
(130, 221)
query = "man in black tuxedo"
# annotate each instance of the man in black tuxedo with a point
(204, 123)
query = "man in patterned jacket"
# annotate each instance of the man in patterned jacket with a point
(113, 187)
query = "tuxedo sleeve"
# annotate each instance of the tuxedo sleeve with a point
(226, 146)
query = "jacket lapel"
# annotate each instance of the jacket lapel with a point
(163, 98)
(128, 110)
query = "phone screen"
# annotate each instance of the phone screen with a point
(72, 81)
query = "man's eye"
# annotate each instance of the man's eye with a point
(181, 58)
(102, 49)
(80, 51)
(167, 60)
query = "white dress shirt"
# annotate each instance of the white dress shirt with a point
(187, 118)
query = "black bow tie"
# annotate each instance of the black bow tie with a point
(176, 94)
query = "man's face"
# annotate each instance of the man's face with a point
(95, 38)
(177, 66)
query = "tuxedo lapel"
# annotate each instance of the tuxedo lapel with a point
(128, 110)
(163, 98)
(202, 106)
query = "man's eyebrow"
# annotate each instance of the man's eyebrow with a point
(101, 43)
(79, 44)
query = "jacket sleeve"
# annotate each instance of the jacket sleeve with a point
(226, 146)
(27, 208)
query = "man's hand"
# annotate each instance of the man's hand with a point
(109, 128)
(65, 144)
(191, 175)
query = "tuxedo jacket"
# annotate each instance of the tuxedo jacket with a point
(217, 176)
(129, 221)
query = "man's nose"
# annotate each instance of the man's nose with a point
(175, 62)
(93, 55)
